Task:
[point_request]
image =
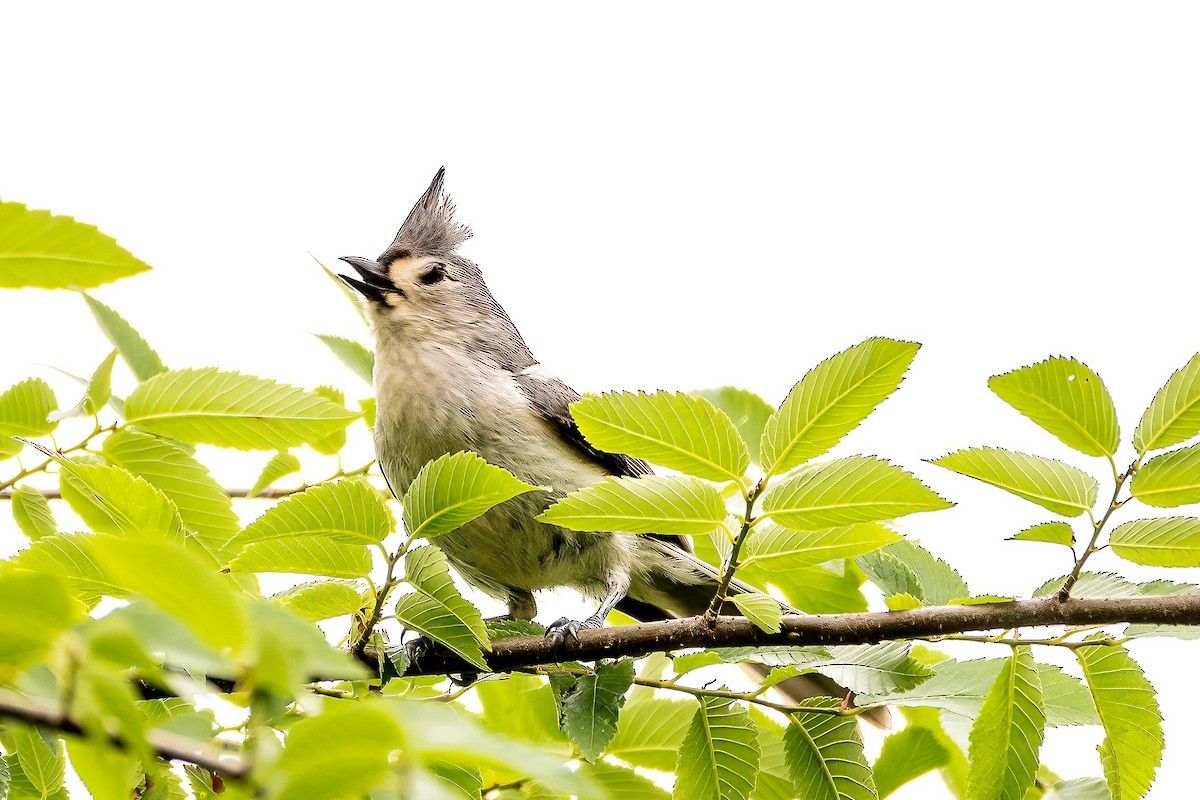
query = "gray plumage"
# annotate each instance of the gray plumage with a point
(453, 373)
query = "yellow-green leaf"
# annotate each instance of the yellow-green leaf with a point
(1169, 480)
(651, 504)
(1008, 732)
(31, 511)
(1051, 484)
(143, 362)
(1174, 414)
(454, 489)
(763, 610)
(1161, 542)
(1066, 398)
(349, 511)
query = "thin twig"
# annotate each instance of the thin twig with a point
(731, 563)
(381, 596)
(1064, 591)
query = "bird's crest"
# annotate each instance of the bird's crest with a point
(430, 226)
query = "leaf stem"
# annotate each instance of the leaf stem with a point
(25, 473)
(731, 563)
(1064, 592)
(381, 596)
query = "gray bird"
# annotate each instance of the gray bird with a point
(453, 373)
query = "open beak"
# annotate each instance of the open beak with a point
(375, 281)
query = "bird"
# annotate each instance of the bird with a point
(453, 373)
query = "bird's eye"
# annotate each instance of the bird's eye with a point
(435, 273)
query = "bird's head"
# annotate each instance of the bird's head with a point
(420, 286)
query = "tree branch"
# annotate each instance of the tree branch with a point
(167, 745)
(822, 629)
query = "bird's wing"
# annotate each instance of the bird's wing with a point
(551, 398)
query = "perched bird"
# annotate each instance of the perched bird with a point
(453, 373)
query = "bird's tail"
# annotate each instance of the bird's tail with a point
(675, 594)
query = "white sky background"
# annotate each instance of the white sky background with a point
(671, 196)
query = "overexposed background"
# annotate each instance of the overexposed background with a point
(672, 195)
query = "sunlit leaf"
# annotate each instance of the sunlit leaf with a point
(908, 568)
(907, 755)
(341, 751)
(42, 759)
(651, 504)
(143, 362)
(228, 409)
(1162, 542)
(48, 251)
(349, 511)
(1051, 484)
(1008, 732)
(95, 394)
(454, 489)
(831, 400)
(171, 468)
(825, 754)
(437, 610)
(112, 500)
(1049, 532)
(177, 581)
(31, 511)
(719, 755)
(320, 600)
(67, 556)
(848, 491)
(37, 607)
(278, 466)
(1169, 480)
(304, 555)
(25, 410)
(748, 411)
(1174, 414)
(1128, 707)
(357, 357)
(763, 610)
(1065, 398)
(773, 547)
(650, 732)
(676, 430)
(623, 783)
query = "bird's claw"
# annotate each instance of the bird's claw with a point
(562, 629)
(418, 648)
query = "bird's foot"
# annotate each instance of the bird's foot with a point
(565, 628)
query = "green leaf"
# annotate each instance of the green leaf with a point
(1162, 542)
(31, 511)
(719, 756)
(357, 357)
(437, 610)
(348, 511)
(763, 610)
(522, 706)
(875, 668)
(1051, 484)
(454, 489)
(1008, 733)
(462, 783)
(1132, 749)
(1169, 480)
(95, 394)
(143, 362)
(834, 588)
(831, 400)
(825, 755)
(1067, 700)
(228, 409)
(106, 772)
(289, 651)
(907, 755)
(320, 600)
(113, 500)
(304, 555)
(332, 444)
(66, 555)
(48, 251)
(908, 568)
(172, 469)
(774, 778)
(1080, 789)
(650, 731)
(1091, 584)
(1049, 532)
(1065, 398)
(37, 608)
(748, 411)
(340, 752)
(651, 504)
(622, 783)
(674, 430)
(41, 757)
(280, 466)
(25, 409)
(1174, 414)
(775, 548)
(902, 602)
(848, 491)
(177, 581)
(591, 704)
